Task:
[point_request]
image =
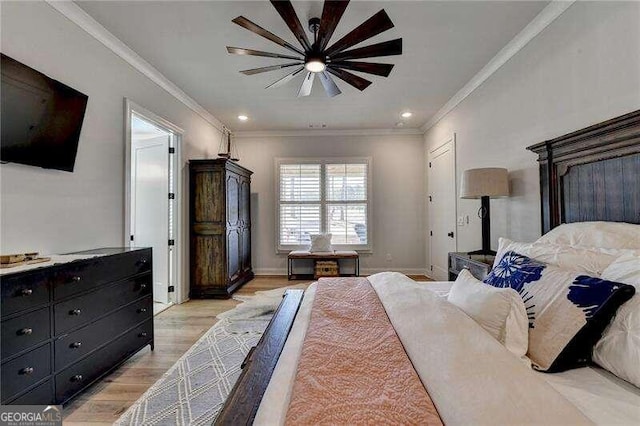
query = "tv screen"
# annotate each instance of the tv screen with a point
(40, 118)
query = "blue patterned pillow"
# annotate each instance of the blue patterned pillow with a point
(567, 312)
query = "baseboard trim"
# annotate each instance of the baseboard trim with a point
(363, 271)
(270, 271)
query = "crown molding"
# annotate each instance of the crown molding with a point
(326, 132)
(528, 33)
(75, 14)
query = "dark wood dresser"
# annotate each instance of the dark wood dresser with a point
(67, 325)
(220, 227)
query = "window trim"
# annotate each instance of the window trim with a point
(323, 161)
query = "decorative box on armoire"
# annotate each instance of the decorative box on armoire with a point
(220, 227)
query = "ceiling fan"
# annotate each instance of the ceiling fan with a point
(315, 57)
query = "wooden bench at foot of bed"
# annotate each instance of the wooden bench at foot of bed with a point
(321, 256)
(242, 404)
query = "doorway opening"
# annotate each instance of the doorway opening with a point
(152, 201)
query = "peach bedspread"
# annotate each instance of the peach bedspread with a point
(353, 369)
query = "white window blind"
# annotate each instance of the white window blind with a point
(347, 220)
(323, 196)
(300, 197)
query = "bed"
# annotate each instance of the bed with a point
(589, 175)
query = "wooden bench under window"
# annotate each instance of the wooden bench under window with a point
(321, 256)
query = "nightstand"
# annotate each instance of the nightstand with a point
(478, 265)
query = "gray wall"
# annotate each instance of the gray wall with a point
(398, 195)
(53, 211)
(582, 69)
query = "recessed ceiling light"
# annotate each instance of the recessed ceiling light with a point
(406, 114)
(243, 118)
(399, 124)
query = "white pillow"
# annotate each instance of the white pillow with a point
(500, 311)
(619, 348)
(320, 242)
(591, 261)
(568, 310)
(612, 235)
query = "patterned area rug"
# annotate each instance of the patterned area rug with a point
(194, 389)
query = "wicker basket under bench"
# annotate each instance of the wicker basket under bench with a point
(321, 257)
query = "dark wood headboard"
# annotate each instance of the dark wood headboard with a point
(591, 174)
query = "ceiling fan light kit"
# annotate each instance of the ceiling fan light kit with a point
(315, 57)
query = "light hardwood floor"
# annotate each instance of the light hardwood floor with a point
(176, 330)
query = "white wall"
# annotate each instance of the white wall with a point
(398, 195)
(53, 211)
(582, 69)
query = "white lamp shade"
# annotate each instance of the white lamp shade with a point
(491, 181)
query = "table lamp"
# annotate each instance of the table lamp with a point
(486, 183)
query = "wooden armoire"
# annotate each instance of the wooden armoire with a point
(220, 227)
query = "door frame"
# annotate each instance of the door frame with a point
(451, 139)
(177, 278)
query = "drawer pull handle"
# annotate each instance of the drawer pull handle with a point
(26, 292)
(25, 331)
(75, 279)
(75, 345)
(75, 312)
(76, 378)
(26, 371)
(143, 334)
(142, 310)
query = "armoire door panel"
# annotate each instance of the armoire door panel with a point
(208, 207)
(246, 249)
(233, 254)
(245, 200)
(233, 198)
(209, 259)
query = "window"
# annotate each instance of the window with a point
(329, 195)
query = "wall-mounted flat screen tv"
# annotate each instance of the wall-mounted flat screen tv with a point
(40, 118)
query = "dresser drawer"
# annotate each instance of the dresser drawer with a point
(83, 309)
(71, 347)
(40, 395)
(24, 291)
(25, 371)
(27, 330)
(76, 377)
(91, 273)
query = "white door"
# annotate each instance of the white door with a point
(441, 175)
(150, 205)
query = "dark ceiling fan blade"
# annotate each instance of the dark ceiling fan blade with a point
(329, 85)
(255, 28)
(332, 12)
(368, 67)
(251, 52)
(378, 23)
(387, 48)
(357, 82)
(285, 79)
(307, 84)
(288, 13)
(271, 68)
